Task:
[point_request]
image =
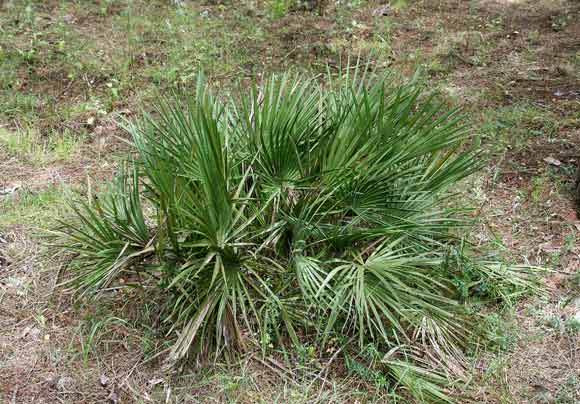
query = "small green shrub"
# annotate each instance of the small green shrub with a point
(295, 212)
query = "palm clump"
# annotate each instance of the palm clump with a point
(294, 211)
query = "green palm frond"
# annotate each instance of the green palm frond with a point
(295, 210)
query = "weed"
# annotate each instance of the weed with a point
(279, 8)
(572, 326)
(501, 332)
(64, 145)
(91, 331)
(540, 189)
(569, 393)
(19, 104)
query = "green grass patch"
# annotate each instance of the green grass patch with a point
(30, 146)
(513, 126)
(33, 208)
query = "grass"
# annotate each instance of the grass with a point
(36, 208)
(92, 335)
(30, 146)
(24, 143)
(42, 41)
(512, 127)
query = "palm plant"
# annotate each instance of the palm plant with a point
(294, 211)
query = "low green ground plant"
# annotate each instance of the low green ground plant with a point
(297, 212)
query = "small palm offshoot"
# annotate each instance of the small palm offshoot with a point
(296, 211)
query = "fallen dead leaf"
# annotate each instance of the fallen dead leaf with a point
(113, 398)
(155, 381)
(553, 161)
(104, 380)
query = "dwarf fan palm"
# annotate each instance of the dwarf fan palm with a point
(295, 209)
